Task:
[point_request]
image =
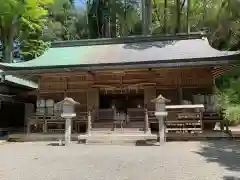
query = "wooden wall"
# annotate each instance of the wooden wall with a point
(165, 78)
(85, 87)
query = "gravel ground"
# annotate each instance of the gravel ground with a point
(174, 161)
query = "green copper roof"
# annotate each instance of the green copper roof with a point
(129, 51)
(20, 81)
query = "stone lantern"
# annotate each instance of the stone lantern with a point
(68, 112)
(161, 113)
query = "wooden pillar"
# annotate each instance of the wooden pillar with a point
(28, 128)
(89, 122)
(93, 101)
(149, 94)
(180, 94)
(29, 109)
(45, 126)
(201, 120)
(146, 127)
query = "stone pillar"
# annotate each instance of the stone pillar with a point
(68, 130)
(161, 136)
(162, 130)
(89, 123)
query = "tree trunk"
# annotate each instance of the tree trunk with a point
(114, 26)
(204, 11)
(106, 19)
(188, 14)
(113, 21)
(178, 18)
(149, 16)
(7, 42)
(165, 16)
(146, 16)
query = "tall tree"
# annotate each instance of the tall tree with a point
(188, 14)
(165, 16)
(15, 14)
(107, 17)
(62, 21)
(228, 96)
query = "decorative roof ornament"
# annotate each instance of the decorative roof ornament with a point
(68, 100)
(160, 99)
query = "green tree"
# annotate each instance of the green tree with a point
(220, 17)
(29, 15)
(228, 100)
(62, 21)
(111, 18)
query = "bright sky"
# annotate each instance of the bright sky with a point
(79, 3)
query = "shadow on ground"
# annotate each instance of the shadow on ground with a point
(230, 178)
(225, 153)
(55, 144)
(147, 142)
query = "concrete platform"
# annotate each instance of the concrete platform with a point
(120, 138)
(2, 141)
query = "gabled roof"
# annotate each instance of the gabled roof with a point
(132, 52)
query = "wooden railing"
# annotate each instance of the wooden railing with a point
(177, 120)
(55, 124)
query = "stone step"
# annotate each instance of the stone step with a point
(118, 139)
(235, 134)
(116, 130)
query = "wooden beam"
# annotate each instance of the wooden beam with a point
(62, 91)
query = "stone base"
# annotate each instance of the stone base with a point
(148, 131)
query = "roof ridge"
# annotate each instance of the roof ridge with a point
(129, 39)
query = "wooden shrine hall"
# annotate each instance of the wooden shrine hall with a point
(114, 80)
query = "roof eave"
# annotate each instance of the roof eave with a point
(211, 61)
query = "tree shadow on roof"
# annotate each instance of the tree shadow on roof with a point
(225, 153)
(146, 45)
